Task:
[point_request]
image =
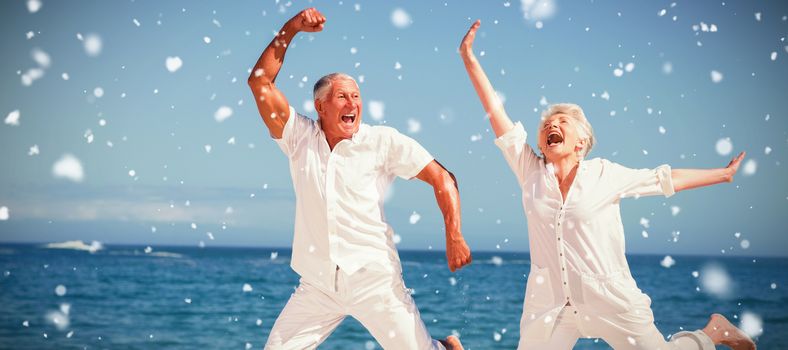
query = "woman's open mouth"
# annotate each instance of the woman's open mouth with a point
(554, 139)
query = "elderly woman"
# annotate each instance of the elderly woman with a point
(580, 284)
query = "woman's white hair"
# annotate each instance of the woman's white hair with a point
(324, 84)
(584, 129)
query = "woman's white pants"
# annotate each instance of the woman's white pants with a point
(631, 330)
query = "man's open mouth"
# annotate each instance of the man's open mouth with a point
(349, 118)
(554, 138)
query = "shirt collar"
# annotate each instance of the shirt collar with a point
(356, 138)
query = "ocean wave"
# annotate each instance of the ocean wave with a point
(7, 251)
(166, 255)
(76, 245)
(161, 254)
(493, 261)
(498, 261)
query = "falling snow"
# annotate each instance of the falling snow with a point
(13, 118)
(376, 109)
(414, 218)
(716, 76)
(173, 63)
(716, 281)
(751, 324)
(68, 167)
(750, 166)
(724, 146)
(400, 18)
(92, 44)
(667, 262)
(222, 113)
(34, 5)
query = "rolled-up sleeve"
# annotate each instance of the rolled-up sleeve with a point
(626, 182)
(405, 157)
(520, 157)
(296, 126)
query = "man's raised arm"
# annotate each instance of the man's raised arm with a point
(272, 104)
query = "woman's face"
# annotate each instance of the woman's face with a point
(558, 137)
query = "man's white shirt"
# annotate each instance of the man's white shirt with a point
(577, 246)
(339, 196)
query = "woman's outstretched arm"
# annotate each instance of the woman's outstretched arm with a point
(685, 179)
(492, 104)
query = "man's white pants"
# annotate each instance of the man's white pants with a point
(378, 300)
(631, 330)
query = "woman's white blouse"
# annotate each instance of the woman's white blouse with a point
(577, 245)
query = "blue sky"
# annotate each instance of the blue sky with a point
(688, 84)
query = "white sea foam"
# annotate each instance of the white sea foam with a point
(166, 255)
(76, 245)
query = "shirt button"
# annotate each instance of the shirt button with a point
(564, 283)
(563, 269)
(575, 311)
(559, 238)
(560, 254)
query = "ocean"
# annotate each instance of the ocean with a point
(130, 297)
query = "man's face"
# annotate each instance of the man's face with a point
(340, 112)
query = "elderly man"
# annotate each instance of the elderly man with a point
(342, 246)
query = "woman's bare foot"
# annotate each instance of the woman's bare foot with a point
(721, 331)
(452, 343)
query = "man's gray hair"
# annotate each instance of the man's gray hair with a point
(584, 130)
(323, 85)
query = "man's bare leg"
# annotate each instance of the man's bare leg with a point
(722, 332)
(452, 343)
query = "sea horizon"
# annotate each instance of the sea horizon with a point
(283, 248)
